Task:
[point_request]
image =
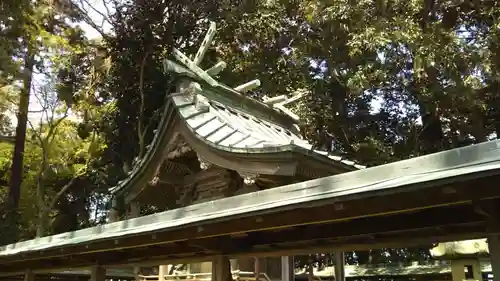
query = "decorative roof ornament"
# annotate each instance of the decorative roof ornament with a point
(206, 75)
(277, 103)
(280, 102)
(193, 90)
(204, 165)
(248, 178)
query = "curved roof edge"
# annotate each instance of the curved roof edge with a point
(225, 136)
(224, 124)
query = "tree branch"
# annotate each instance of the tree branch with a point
(90, 22)
(79, 173)
(141, 131)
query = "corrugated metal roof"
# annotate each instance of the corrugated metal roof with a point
(452, 165)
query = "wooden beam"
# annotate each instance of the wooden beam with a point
(428, 218)
(340, 211)
(361, 243)
(353, 241)
(334, 212)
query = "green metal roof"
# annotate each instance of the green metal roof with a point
(453, 165)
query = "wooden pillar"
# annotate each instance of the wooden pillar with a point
(29, 275)
(221, 270)
(134, 212)
(115, 211)
(234, 264)
(162, 271)
(98, 273)
(494, 249)
(256, 265)
(287, 268)
(339, 266)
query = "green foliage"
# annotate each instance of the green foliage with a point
(39, 37)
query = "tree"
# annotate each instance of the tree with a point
(32, 30)
(39, 41)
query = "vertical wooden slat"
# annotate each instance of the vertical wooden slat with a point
(29, 275)
(339, 266)
(494, 249)
(98, 273)
(162, 271)
(257, 268)
(221, 269)
(287, 268)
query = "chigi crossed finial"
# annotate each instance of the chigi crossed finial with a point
(277, 103)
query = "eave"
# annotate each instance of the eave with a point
(343, 212)
(212, 131)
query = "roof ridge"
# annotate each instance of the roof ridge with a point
(190, 67)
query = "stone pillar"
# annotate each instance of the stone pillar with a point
(457, 271)
(287, 268)
(98, 273)
(339, 266)
(459, 266)
(494, 249)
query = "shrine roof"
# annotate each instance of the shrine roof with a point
(417, 174)
(235, 130)
(461, 249)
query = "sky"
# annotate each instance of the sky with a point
(35, 107)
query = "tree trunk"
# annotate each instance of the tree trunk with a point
(41, 228)
(17, 168)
